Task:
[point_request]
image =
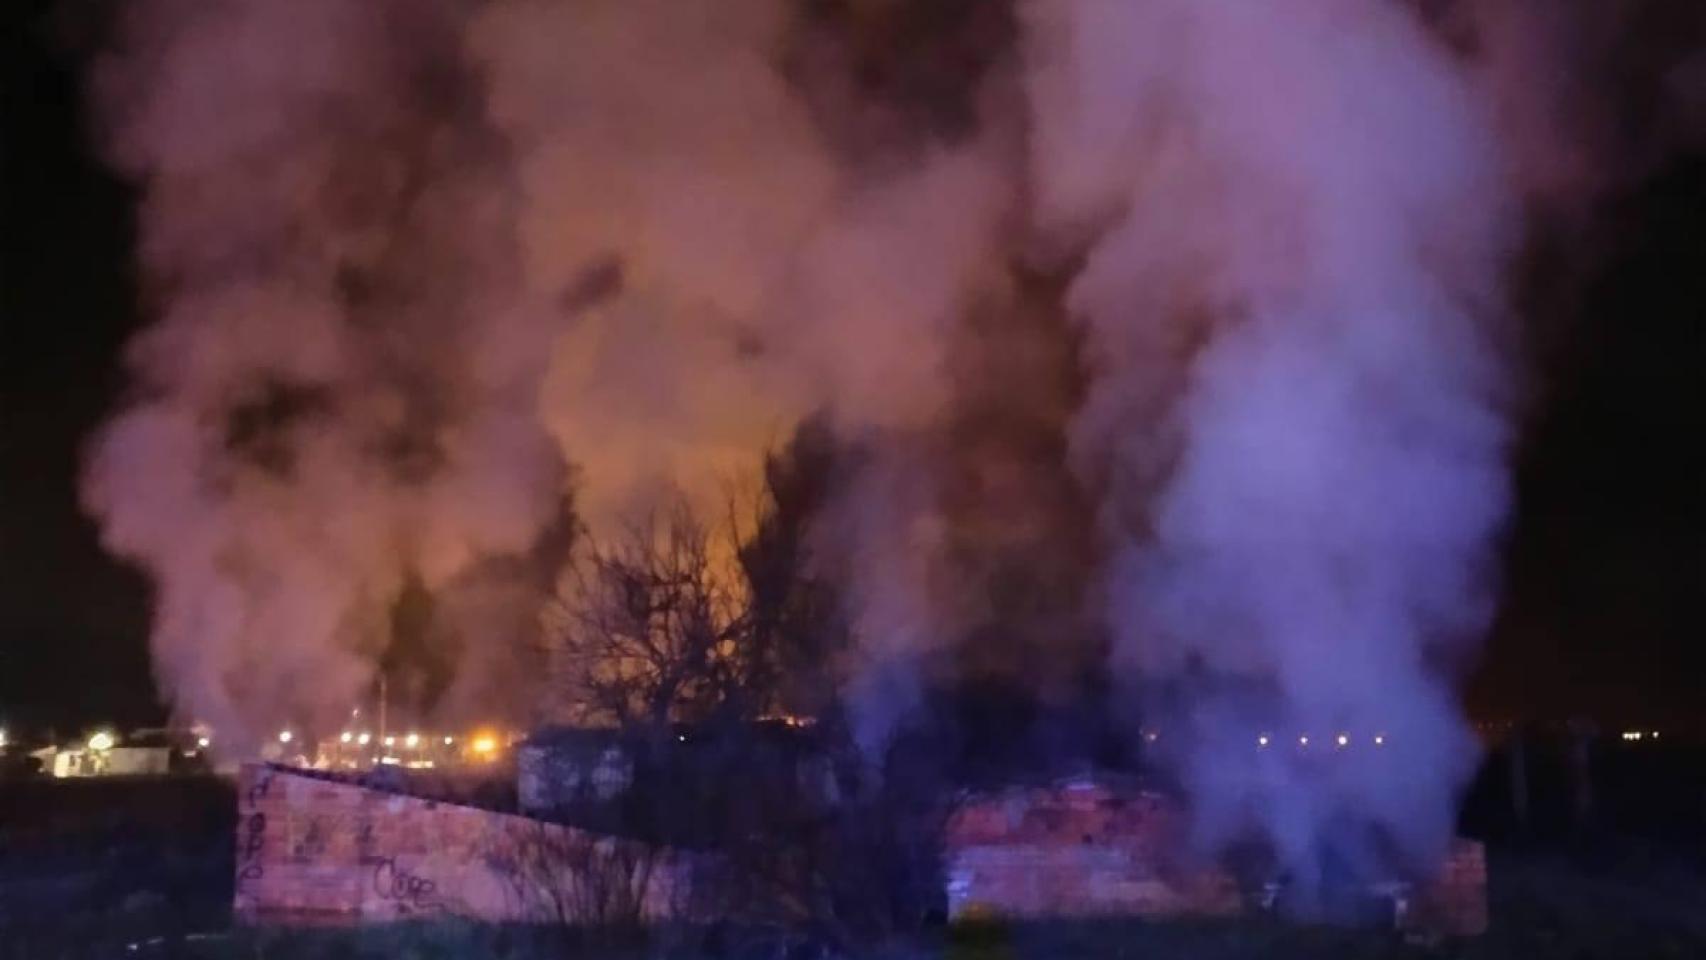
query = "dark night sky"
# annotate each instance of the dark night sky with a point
(1606, 560)
(73, 624)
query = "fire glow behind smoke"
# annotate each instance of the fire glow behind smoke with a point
(428, 272)
(418, 261)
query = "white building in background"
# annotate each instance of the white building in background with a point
(148, 753)
(112, 762)
(72, 762)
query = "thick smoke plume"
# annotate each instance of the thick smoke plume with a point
(422, 268)
(340, 395)
(1162, 331)
(1293, 416)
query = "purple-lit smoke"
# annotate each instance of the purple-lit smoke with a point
(1294, 408)
(429, 275)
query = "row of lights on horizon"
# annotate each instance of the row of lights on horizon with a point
(412, 741)
(103, 740)
(485, 745)
(1341, 741)
(1264, 741)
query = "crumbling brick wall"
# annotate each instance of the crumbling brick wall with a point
(317, 850)
(1086, 849)
(1080, 850)
(1455, 903)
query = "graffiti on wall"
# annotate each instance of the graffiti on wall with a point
(342, 849)
(411, 893)
(252, 830)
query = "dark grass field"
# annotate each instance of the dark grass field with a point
(142, 868)
(1541, 909)
(99, 863)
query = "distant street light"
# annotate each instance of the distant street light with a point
(284, 736)
(102, 741)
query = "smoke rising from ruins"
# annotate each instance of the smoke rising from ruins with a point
(1164, 330)
(1289, 305)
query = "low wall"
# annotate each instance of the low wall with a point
(1085, 849)
(1455, 903)
(1080, 850)
(313, 849)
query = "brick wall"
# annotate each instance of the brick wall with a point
(1085, 849)
(1080, 850)
(1455, 903)
(316, 850)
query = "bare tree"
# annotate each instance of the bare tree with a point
(720, 625)
(682, 619)
(648, 626)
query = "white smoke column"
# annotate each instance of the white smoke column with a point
(1294, 415)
